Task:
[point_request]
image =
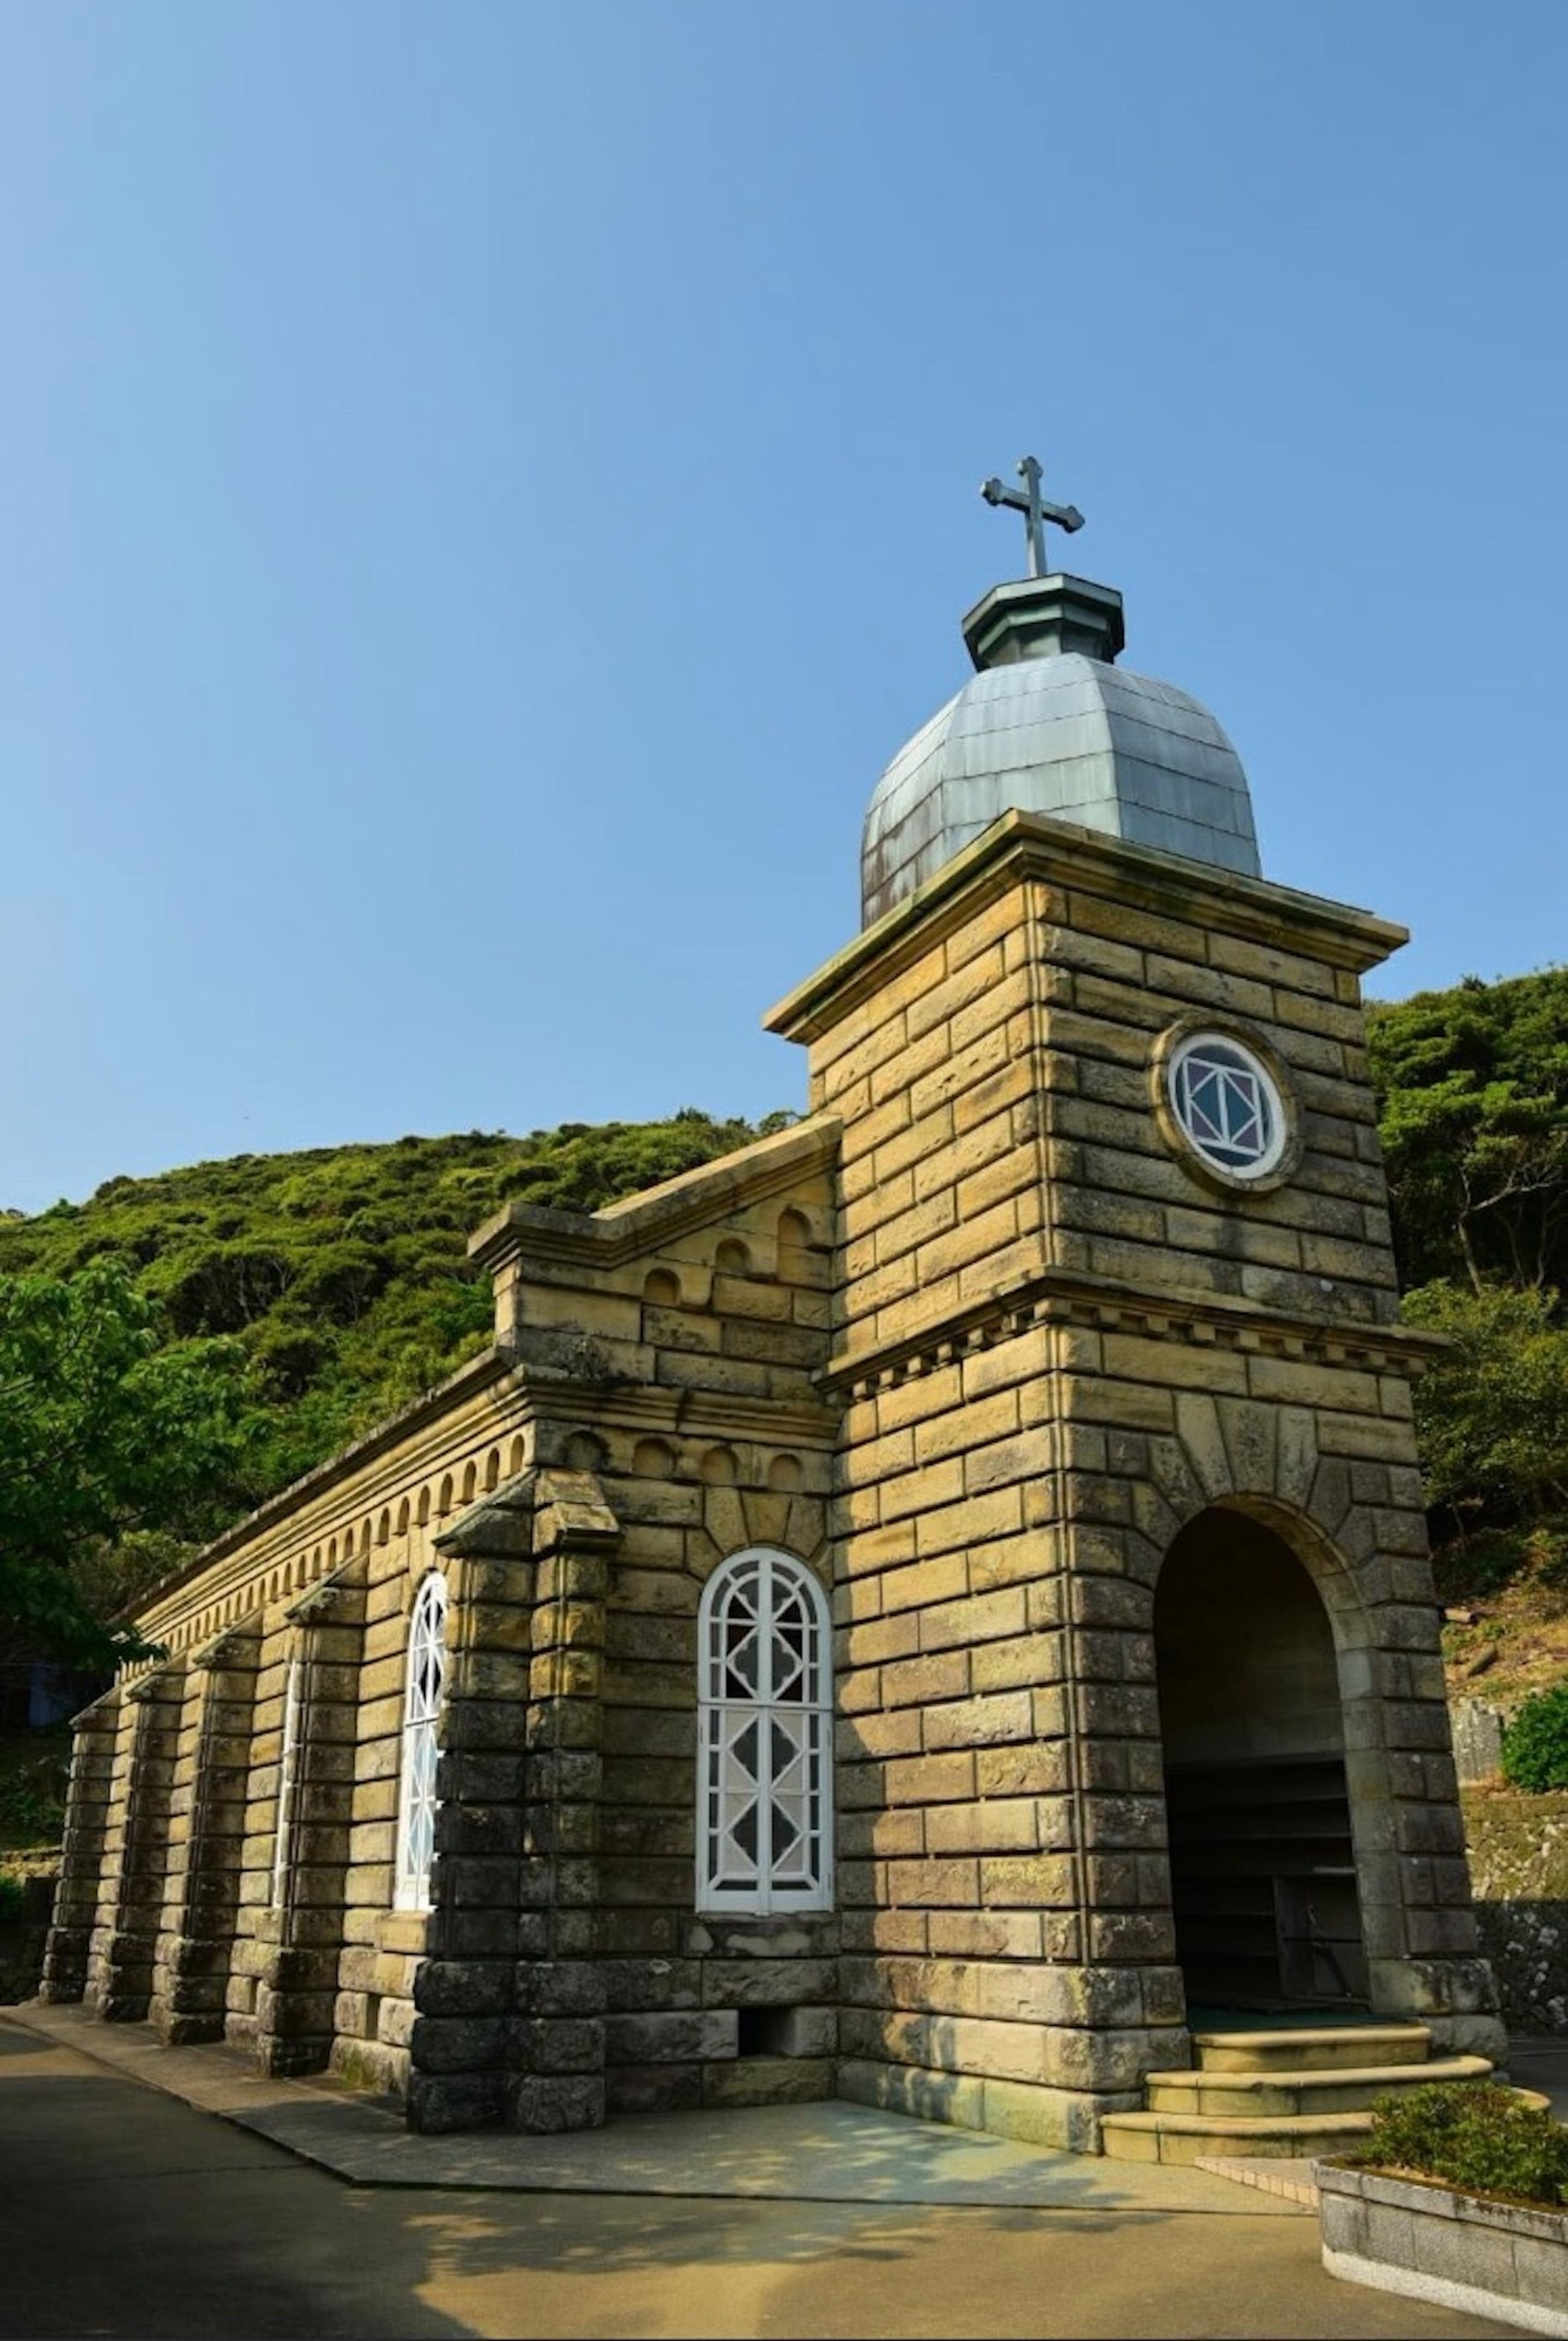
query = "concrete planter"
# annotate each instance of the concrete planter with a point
(1421, 2238)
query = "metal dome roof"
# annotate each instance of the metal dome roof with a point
(1067, 735)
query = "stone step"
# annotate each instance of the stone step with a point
(1303, 2093)
(1307, 2047)
(1191, 2138)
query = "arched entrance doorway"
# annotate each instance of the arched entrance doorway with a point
(1262, 1869)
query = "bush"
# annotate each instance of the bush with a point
(1535, 1743)
(1492, 1414)
(33, 1800)
(1473, 2134)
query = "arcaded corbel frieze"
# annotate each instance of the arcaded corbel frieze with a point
(1106, 1304)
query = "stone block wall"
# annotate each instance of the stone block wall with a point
(975, 1344)
(205, 1838)
(1113, 974)
(1518, 1846)
(1060, 1344)
(655, 1414)
(88, 1807)
(121, 1956)
(679, 1332)
(379, 1947)
(296, 1995)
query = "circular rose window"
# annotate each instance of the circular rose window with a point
(1227, 1105)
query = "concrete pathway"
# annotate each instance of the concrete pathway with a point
(128, 2213)
(831, 2153)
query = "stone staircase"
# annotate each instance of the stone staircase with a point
(1292, 2092)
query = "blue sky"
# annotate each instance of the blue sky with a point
(485, 489)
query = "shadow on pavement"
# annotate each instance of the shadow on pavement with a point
(128, 2213)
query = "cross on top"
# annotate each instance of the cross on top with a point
(1037, 512)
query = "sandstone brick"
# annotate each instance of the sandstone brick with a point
(976, 1619)
(980, 1722)
(932, 1883)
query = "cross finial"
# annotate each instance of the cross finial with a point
(1036, 510)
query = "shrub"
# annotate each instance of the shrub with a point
(33, 1800)
(1535, 1743)
(11, 1896)
(1473, 2134)
(1492, 1414)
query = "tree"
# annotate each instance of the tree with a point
(1474, 1084)
(106, 1437)
(343, 1272)
(1492, 1414)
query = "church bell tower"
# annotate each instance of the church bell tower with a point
(1142, 1709)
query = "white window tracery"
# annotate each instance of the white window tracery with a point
(765, 1812)
(1227, 1105)
(288, 1768)
(421, 1714)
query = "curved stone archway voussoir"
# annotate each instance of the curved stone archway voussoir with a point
(1263, 1460)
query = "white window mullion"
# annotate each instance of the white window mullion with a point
(766, 1736)
(763, 1611)
(287, 1778)
(419, 1752)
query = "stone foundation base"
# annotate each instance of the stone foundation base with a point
(1066, 2119)
(178, 2030)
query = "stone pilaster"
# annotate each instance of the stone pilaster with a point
(125, 1943)
(206, 1837)
(298, 1993)
(510, 2003)
(462, 1990)
(87, 1807)
(559, 2036)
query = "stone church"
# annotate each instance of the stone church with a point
(934, 1607)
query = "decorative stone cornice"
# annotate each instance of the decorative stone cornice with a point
(671, 1410)
(424, 1413)
(1030, 845)
(1101, 1304)
(624, 1230)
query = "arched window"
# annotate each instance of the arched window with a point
(421, 1708)
(764, 1794)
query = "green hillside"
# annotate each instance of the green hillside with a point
(344, 1274)
(344, 1270)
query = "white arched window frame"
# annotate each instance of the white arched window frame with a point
(764, 1776)
(421, 1714)
(288, 1767)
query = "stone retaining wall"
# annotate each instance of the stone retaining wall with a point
(1519, 1861)
(1426, 2242)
